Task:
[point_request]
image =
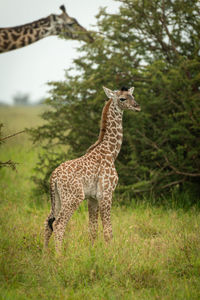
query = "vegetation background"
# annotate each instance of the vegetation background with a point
(155, 47)
(155, 253)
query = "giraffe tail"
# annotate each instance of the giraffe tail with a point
(50, 222)
(51, 217)
(55, 203)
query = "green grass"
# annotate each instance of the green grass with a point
(155, 253)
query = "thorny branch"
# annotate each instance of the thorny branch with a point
(9, 163)
(163, 21)
(11, 135)
(155, 146)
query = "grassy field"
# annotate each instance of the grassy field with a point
(155, 253)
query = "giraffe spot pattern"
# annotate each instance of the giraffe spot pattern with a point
(92, 176)
(20, 36)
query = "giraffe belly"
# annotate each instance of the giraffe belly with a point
(90, 189)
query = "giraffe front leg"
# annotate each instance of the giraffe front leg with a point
(105, 209)
(93, 209)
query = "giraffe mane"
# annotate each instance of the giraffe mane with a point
(28, 25)
(102, 127)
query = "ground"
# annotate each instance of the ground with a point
(155, 253)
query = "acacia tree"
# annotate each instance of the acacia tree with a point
(153, 45)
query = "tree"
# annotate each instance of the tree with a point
(153, 45)
(21, 99)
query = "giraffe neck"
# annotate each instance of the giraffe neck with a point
(113, 133)
(16, 37)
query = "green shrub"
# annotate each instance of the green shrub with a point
(152, 45)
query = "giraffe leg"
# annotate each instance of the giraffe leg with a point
(69, 205)
(59, 227)
(105, 208)
(93, 209)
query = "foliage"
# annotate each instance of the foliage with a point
(153, 45)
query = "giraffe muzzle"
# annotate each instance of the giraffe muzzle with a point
(137, 108)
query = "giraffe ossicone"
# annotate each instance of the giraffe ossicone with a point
(92, 176)
(20, 36)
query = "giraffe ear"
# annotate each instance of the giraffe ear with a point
(108, 92)
(131, 90)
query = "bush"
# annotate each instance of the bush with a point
(152, 45)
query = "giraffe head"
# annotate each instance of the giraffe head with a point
(70, 27)
(123, 99)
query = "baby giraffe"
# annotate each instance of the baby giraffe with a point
(92, 176)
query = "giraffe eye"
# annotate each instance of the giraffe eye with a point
(71, 24)
(122, 99)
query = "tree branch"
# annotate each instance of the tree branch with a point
(163, 21)
(172, 183)
(8, 163)
(11, 135)
(155, 146)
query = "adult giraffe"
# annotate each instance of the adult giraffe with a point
(20, 36)
(92, 175)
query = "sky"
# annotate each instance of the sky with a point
(27, 70)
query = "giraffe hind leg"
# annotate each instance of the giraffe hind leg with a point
(70, 202)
